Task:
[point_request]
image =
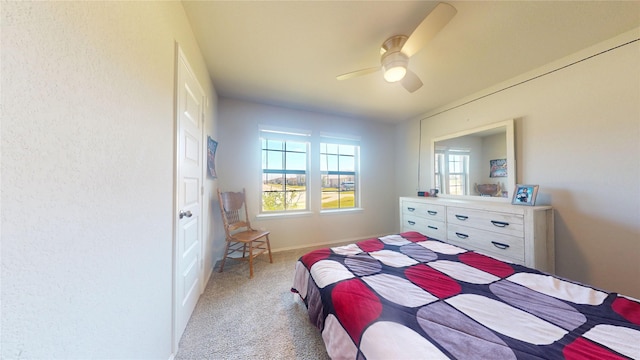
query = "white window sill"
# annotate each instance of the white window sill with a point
(265, 216)
(275, 215)
(341, 211)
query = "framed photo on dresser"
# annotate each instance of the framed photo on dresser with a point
(525, 195)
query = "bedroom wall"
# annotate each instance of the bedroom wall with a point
(239, 164)
(578, 137)
(87, 177)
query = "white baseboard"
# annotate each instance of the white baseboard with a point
(327, 243)
(314, 245)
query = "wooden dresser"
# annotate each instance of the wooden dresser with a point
(515, 233)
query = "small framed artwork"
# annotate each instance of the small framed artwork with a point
(498, 168)
(212, 145)
(525, 195)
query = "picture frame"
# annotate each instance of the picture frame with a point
(525, 195)
(212, 145)
(498, 168)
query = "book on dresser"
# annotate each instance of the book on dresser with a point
(515, 233)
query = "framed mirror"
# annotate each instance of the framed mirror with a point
(478, 162)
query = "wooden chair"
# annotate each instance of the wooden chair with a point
(240, 236)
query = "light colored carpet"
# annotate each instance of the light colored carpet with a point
(242, 318)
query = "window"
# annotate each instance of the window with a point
(290, 158)
(338, 170)
(284, 171)
(452, 171)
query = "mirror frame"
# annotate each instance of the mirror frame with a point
(510, 183)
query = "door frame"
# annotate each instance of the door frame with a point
(176, 334)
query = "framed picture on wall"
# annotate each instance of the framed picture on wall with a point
(212, 145)
(498, 168)
(525, 195)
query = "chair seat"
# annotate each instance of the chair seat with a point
(249, 235)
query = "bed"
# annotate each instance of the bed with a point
(406, 296)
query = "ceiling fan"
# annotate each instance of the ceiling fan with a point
(397, 50)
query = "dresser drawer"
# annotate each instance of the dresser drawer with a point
(518, 234)
(430, 228)
(502, 223)
(504, 246)
(424, 210)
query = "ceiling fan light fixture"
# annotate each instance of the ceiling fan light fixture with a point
(394, 65)
(395, 74)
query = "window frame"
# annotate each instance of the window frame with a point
(442, 173)
(285, 136)
(338, 141)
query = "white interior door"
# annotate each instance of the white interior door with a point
(189, 164)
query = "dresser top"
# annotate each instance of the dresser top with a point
(477, 204)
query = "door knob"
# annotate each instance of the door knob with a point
(185, 214)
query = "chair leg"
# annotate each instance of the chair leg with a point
(251, 260)
(269, 249)
(224, 258)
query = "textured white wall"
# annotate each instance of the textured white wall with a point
(578, 136)
(240, 160)
(87, 176)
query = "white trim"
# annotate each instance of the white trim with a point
(282, 133)
(511, 159)
(179, 58)
(341, 211)
(280, 214)
(341, 139)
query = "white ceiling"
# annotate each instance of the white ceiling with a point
(288, 53)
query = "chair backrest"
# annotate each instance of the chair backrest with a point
(233, 208)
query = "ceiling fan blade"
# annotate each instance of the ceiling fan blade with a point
(356, 73)
(428, 28)
(411, 81)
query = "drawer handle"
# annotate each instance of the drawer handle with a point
(411, 222)
(431, 212)
(500, 246)
(462, 217)
(500, 223)
(411, 209)
(432, 227)
(461, 235)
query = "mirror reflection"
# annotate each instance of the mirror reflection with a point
(476, 162)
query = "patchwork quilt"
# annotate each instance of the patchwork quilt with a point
(408, 297)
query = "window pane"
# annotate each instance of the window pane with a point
(332, 148)
(295, 200)
(330, 182)
(272, 201)
(323, 162)
(338, 191)
(296, 146)
(339, 187)
(330, 192)
(456, 185)
(347, 150)
(331, 162)
(272, 182)
(274, 160)
(455, 164)
(274, 145)
(282, 189)
(296, 182)
(296, 161)
(347, 199)
(347, 163)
